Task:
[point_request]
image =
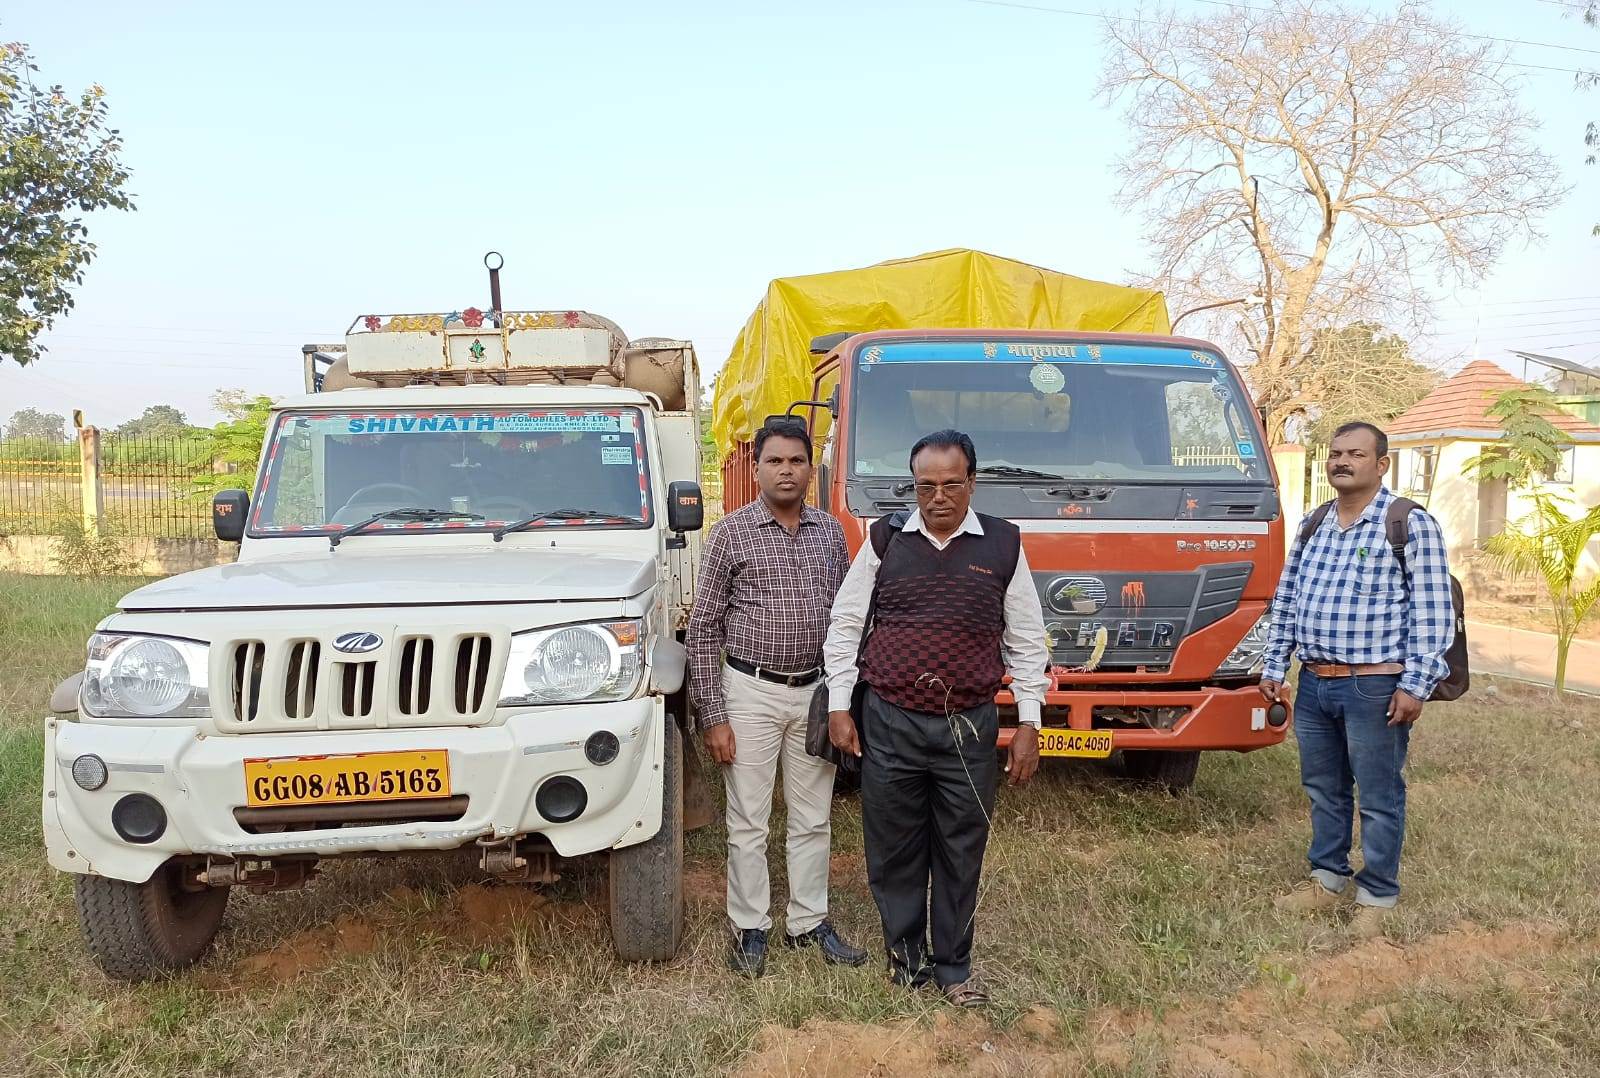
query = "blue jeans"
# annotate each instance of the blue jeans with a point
(1346, 743)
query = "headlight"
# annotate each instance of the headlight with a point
(1247, 657)
(145, 677)
(594, 661)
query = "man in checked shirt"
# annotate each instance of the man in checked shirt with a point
(1372, 633)
(767, 581)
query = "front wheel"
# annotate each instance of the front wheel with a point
(1172, 769)
(136, 931)
(647, 879)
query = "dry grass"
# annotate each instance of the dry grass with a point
(1124, 933)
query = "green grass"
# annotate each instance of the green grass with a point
(1136, 927)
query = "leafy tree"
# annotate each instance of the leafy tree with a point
(236, 441)
(1549, 545)
(1361, 372)
(1323, 157)
(158, 420)
(33, 424)
(1532, 445)
(58, 162)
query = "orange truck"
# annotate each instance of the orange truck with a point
(1133, 461)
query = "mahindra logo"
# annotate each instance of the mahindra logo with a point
(357, 643)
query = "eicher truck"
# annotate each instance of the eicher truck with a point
(454, 621)
(1133, 461)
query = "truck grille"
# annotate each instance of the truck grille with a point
(301, 683)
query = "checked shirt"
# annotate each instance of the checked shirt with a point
(1345, 599)
(763, 596)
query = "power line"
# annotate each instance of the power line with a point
(1509, 328)
(1517, 302)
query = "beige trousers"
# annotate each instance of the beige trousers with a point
(769, 723)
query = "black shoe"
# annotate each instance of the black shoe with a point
(834, 949)
(749, 952)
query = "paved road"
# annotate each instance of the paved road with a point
(1495, 649)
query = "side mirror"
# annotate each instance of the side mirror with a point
(228, 511)
(685, 510)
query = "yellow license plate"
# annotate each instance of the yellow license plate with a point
(333, 780)
(1092, 743)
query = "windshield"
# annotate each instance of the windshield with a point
(1114, 412)
(476, 468)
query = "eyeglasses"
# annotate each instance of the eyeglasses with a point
(949, 490)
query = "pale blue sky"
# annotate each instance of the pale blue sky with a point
(297, 165)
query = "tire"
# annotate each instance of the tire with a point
(1172, 769)
(647, 879)
(136, 931)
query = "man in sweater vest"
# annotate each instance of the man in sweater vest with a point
(954, 609)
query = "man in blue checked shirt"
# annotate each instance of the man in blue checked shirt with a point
(1371, 635)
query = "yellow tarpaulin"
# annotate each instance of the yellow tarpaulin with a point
(770, 365)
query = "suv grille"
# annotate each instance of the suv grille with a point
(301, 683)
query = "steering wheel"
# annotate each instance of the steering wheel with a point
(362, 495)
(491, 508)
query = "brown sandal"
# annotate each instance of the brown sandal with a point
(968, 994)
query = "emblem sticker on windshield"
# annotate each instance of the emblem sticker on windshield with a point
(616, 454)
(1047, 378)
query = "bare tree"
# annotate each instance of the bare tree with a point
(1588, 80)
(1329, 159)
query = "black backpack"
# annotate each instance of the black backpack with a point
(1396, 527)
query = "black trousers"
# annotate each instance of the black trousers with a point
(927, 795)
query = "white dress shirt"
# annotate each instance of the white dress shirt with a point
(1023, 642)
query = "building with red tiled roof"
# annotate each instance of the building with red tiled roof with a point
(1433, 441)
(1460, 406)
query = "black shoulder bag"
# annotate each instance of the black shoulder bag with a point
(818, 743)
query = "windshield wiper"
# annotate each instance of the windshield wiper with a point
(409, 515)
(555, 514)
(1012, 472)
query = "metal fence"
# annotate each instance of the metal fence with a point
(1317, 464)
(1205, 456)
(40, 486)
(149, 485)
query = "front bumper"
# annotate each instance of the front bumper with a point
(199, 780)
(1217, 718)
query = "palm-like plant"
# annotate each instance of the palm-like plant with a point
(1549, 544)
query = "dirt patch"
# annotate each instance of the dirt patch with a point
(476, 914)
(1272, 1028)
(847, 869)
(309, 951)
(704, 886)
(484, 912)
(1285, 1027)
(956, 1046)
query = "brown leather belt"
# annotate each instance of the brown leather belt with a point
(1338, 670)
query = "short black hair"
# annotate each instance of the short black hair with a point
(947, 439)
(1377, 435)
(783, 427)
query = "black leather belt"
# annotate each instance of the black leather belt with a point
(794, 681)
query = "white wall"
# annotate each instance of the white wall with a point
(1454, 499)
